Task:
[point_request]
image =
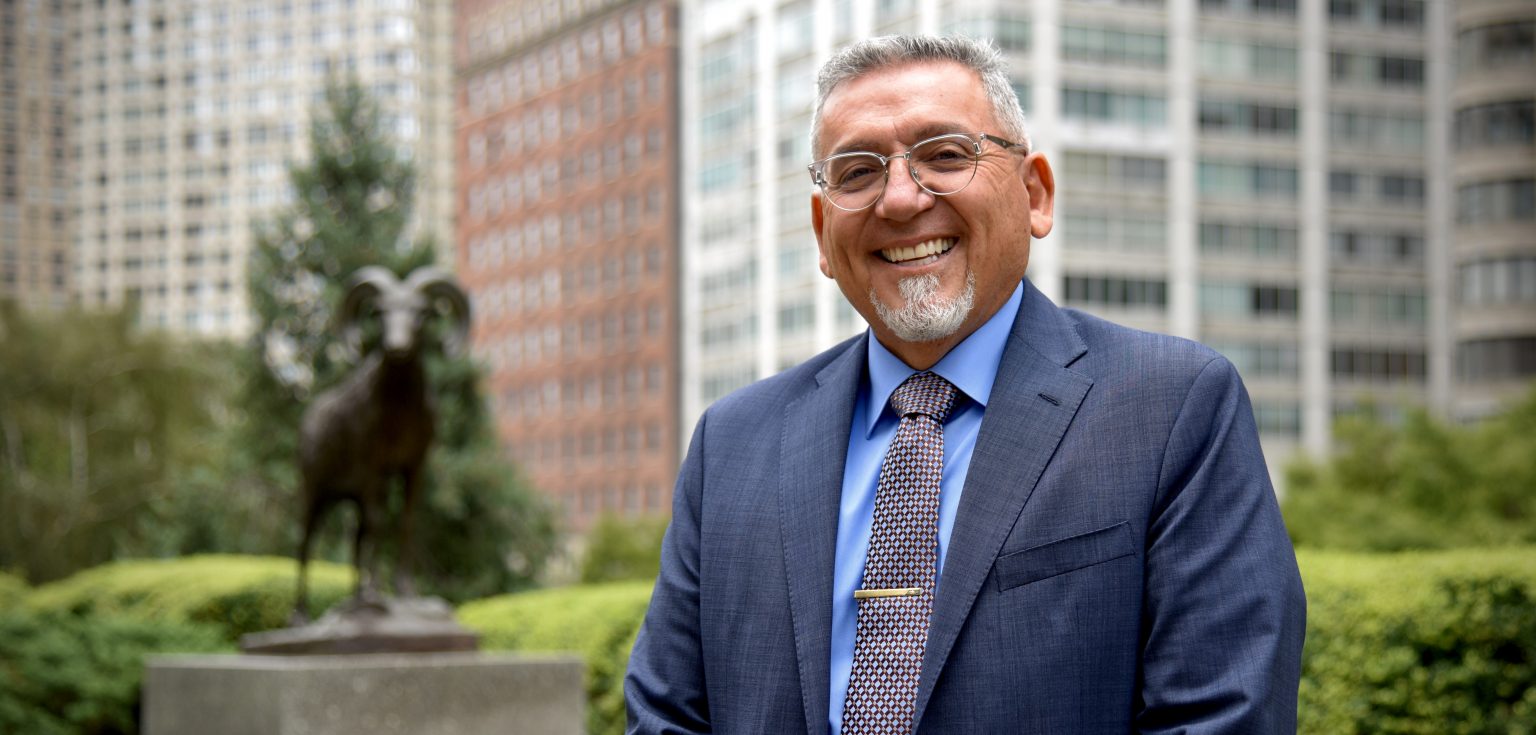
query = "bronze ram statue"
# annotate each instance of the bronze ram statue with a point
(377, 424)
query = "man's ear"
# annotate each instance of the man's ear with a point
(1040, 182)
(817, 223)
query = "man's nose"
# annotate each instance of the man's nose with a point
(903, 199)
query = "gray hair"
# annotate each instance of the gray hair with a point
(980, 56)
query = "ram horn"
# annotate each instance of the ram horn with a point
(435, 283)
(364, 286)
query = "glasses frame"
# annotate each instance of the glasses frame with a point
(817, 169)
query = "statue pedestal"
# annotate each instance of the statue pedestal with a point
(415, 694)
(391, 625)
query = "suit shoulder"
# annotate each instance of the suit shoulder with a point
(1116, 347)
(768, 395)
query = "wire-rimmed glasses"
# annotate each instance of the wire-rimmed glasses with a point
(941, 165)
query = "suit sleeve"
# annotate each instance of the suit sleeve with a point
(664, 686)
(1224, 613)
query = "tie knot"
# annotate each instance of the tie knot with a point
(924, 393)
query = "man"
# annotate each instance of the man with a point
(1098, 551)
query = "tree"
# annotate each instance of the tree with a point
(1424, 484)
(97, 422)
(487, 531)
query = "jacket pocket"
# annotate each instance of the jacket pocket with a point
(1065, 555)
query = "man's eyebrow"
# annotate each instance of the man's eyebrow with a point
(929, 130)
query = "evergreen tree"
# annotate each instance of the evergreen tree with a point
(482, 530)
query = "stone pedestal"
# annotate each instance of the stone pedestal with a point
(391, 625)
(384, 694)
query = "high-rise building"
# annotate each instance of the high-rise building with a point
(1254, 174)
(567, 236)
(1493, 96)
(187, 113)
(35, 152)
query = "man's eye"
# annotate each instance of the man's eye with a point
(946, 152)
(855, 175)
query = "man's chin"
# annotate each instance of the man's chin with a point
(924, 315)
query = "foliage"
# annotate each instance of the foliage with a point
(487, 530)
(1441, 642)
(623, 548)
(13, 591)
(1422, 485)
(96, 423)
(598, 621)
(233, 595)
(62, 675)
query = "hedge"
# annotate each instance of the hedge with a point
(238, 594)
(598, 621)
(65, 675)
(12, 591)
(1420, 642)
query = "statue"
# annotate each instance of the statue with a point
(357, 439)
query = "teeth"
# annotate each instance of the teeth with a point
(920, 250)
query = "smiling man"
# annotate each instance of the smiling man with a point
(985, 514)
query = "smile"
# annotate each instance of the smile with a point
(922, 253)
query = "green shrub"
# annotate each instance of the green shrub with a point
(621, 549)
(238, 594)
(598, 621)
(1420, 642)
(63, 675)
(12, 591)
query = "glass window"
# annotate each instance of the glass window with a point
(1508, 123)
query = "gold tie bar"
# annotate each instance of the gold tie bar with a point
(894, 592)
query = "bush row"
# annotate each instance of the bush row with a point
(67, 675)
(236, 594)
(1422, 642)
(1432, 642)
(12, 591)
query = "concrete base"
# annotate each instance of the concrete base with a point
(419, 694)
(391, 625)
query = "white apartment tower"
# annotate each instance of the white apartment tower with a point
(187, 113)
(35, 146)
(1493, 98)
(1255, 174)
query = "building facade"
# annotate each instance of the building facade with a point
(567, 237)
(1258, 175)
(35, 152)
(187, 113)
(1493, 253)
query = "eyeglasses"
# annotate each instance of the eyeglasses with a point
(941, 165)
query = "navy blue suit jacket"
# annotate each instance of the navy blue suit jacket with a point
(1118, 562)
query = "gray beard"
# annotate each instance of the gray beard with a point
(926, 317)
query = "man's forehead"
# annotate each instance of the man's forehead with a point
(915, 100)
(905, 136)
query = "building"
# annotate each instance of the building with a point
(186, 114)
(1493, 253)
(1266, 186)
(567, 236)
(35, 152)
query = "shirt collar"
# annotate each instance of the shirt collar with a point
(971, 366)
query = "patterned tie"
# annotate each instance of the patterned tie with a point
(897, 599)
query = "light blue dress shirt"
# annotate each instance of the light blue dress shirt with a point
(972, 367)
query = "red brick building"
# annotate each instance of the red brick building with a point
(567, 239)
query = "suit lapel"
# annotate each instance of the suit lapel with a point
(1033, 401)
(814, 448)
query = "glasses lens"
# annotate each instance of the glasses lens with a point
(945, 165)
(853, 180)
